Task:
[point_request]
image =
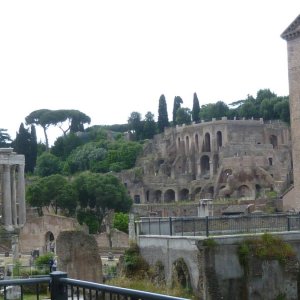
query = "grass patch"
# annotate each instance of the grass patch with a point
(144, 284)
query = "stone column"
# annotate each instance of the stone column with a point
(292, 36)
(13, 196)
(21, 195)
(7, 198)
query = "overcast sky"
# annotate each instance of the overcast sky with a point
(109, 58)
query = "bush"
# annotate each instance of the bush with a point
(44, 259)
(121, 221)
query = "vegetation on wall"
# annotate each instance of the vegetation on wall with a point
(265, 247)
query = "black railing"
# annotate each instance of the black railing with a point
(207, 226)
(63, 288)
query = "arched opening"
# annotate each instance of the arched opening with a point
(137, 199)
(147, 196)
(178, 143)
(187, 144)
(204, 164)
(181, 275)
(169, 196)
(184, 195)
(157, 196)
(219, 139)
(197, 192)
(244, 191)
(257, 190)
(197, 142)
(210, 192)
(270, 161)
(49, 242)
(273, 141)
(206, 143)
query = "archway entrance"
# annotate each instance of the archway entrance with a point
(49, 242)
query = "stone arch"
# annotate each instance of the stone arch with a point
(219, 139)
(270, 159)
(244, 191)
(157, 196)
(274, 140)
(197, 192)
(197, 141)
(181, 275)
(187, 144)
(204, 164)
(206, 143)
(184, 194)
(49, 242)
(137, 199)
(169, 196)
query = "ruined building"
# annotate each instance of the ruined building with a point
(234, 159)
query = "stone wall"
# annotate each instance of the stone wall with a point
(119, 240)
(78, 255)
(236, 159)
(215, 271)
(33, 236)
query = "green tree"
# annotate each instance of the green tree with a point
(64, 145)
(32, 157)
(136, 125)
(46, 118)
(176, 105)
(163, 119)
(26, 143)
(54, 191)
(149, 126)
(282, 109)
(121, 221)
(84, 157)
(100, 194)
(248, 110)
(22, 145)
(196, 109)
(214, 110)
(5, 140)
(48, 164)
(183, 116)
(267, 109)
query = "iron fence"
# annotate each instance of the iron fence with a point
(62, 288)
(224, 225)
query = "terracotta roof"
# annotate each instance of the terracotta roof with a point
(293, 31)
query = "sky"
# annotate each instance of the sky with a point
(110, 58)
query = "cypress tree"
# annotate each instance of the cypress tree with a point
(163, 120)
(196, 109)
(177, 102)
(22, 144)
(33, 149)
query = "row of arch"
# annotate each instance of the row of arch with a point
(170, 195)
(206, 147)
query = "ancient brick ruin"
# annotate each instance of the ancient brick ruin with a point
(234, 159)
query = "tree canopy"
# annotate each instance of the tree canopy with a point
(163, 119)
(47, 117)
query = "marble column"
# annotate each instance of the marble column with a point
(7, 197)
(21, 195)
(13, 196)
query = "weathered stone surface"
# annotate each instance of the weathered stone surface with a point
(33, 236)
(242, 159)
(78, 255)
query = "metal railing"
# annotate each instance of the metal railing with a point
(63, 288)
(207, 226)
